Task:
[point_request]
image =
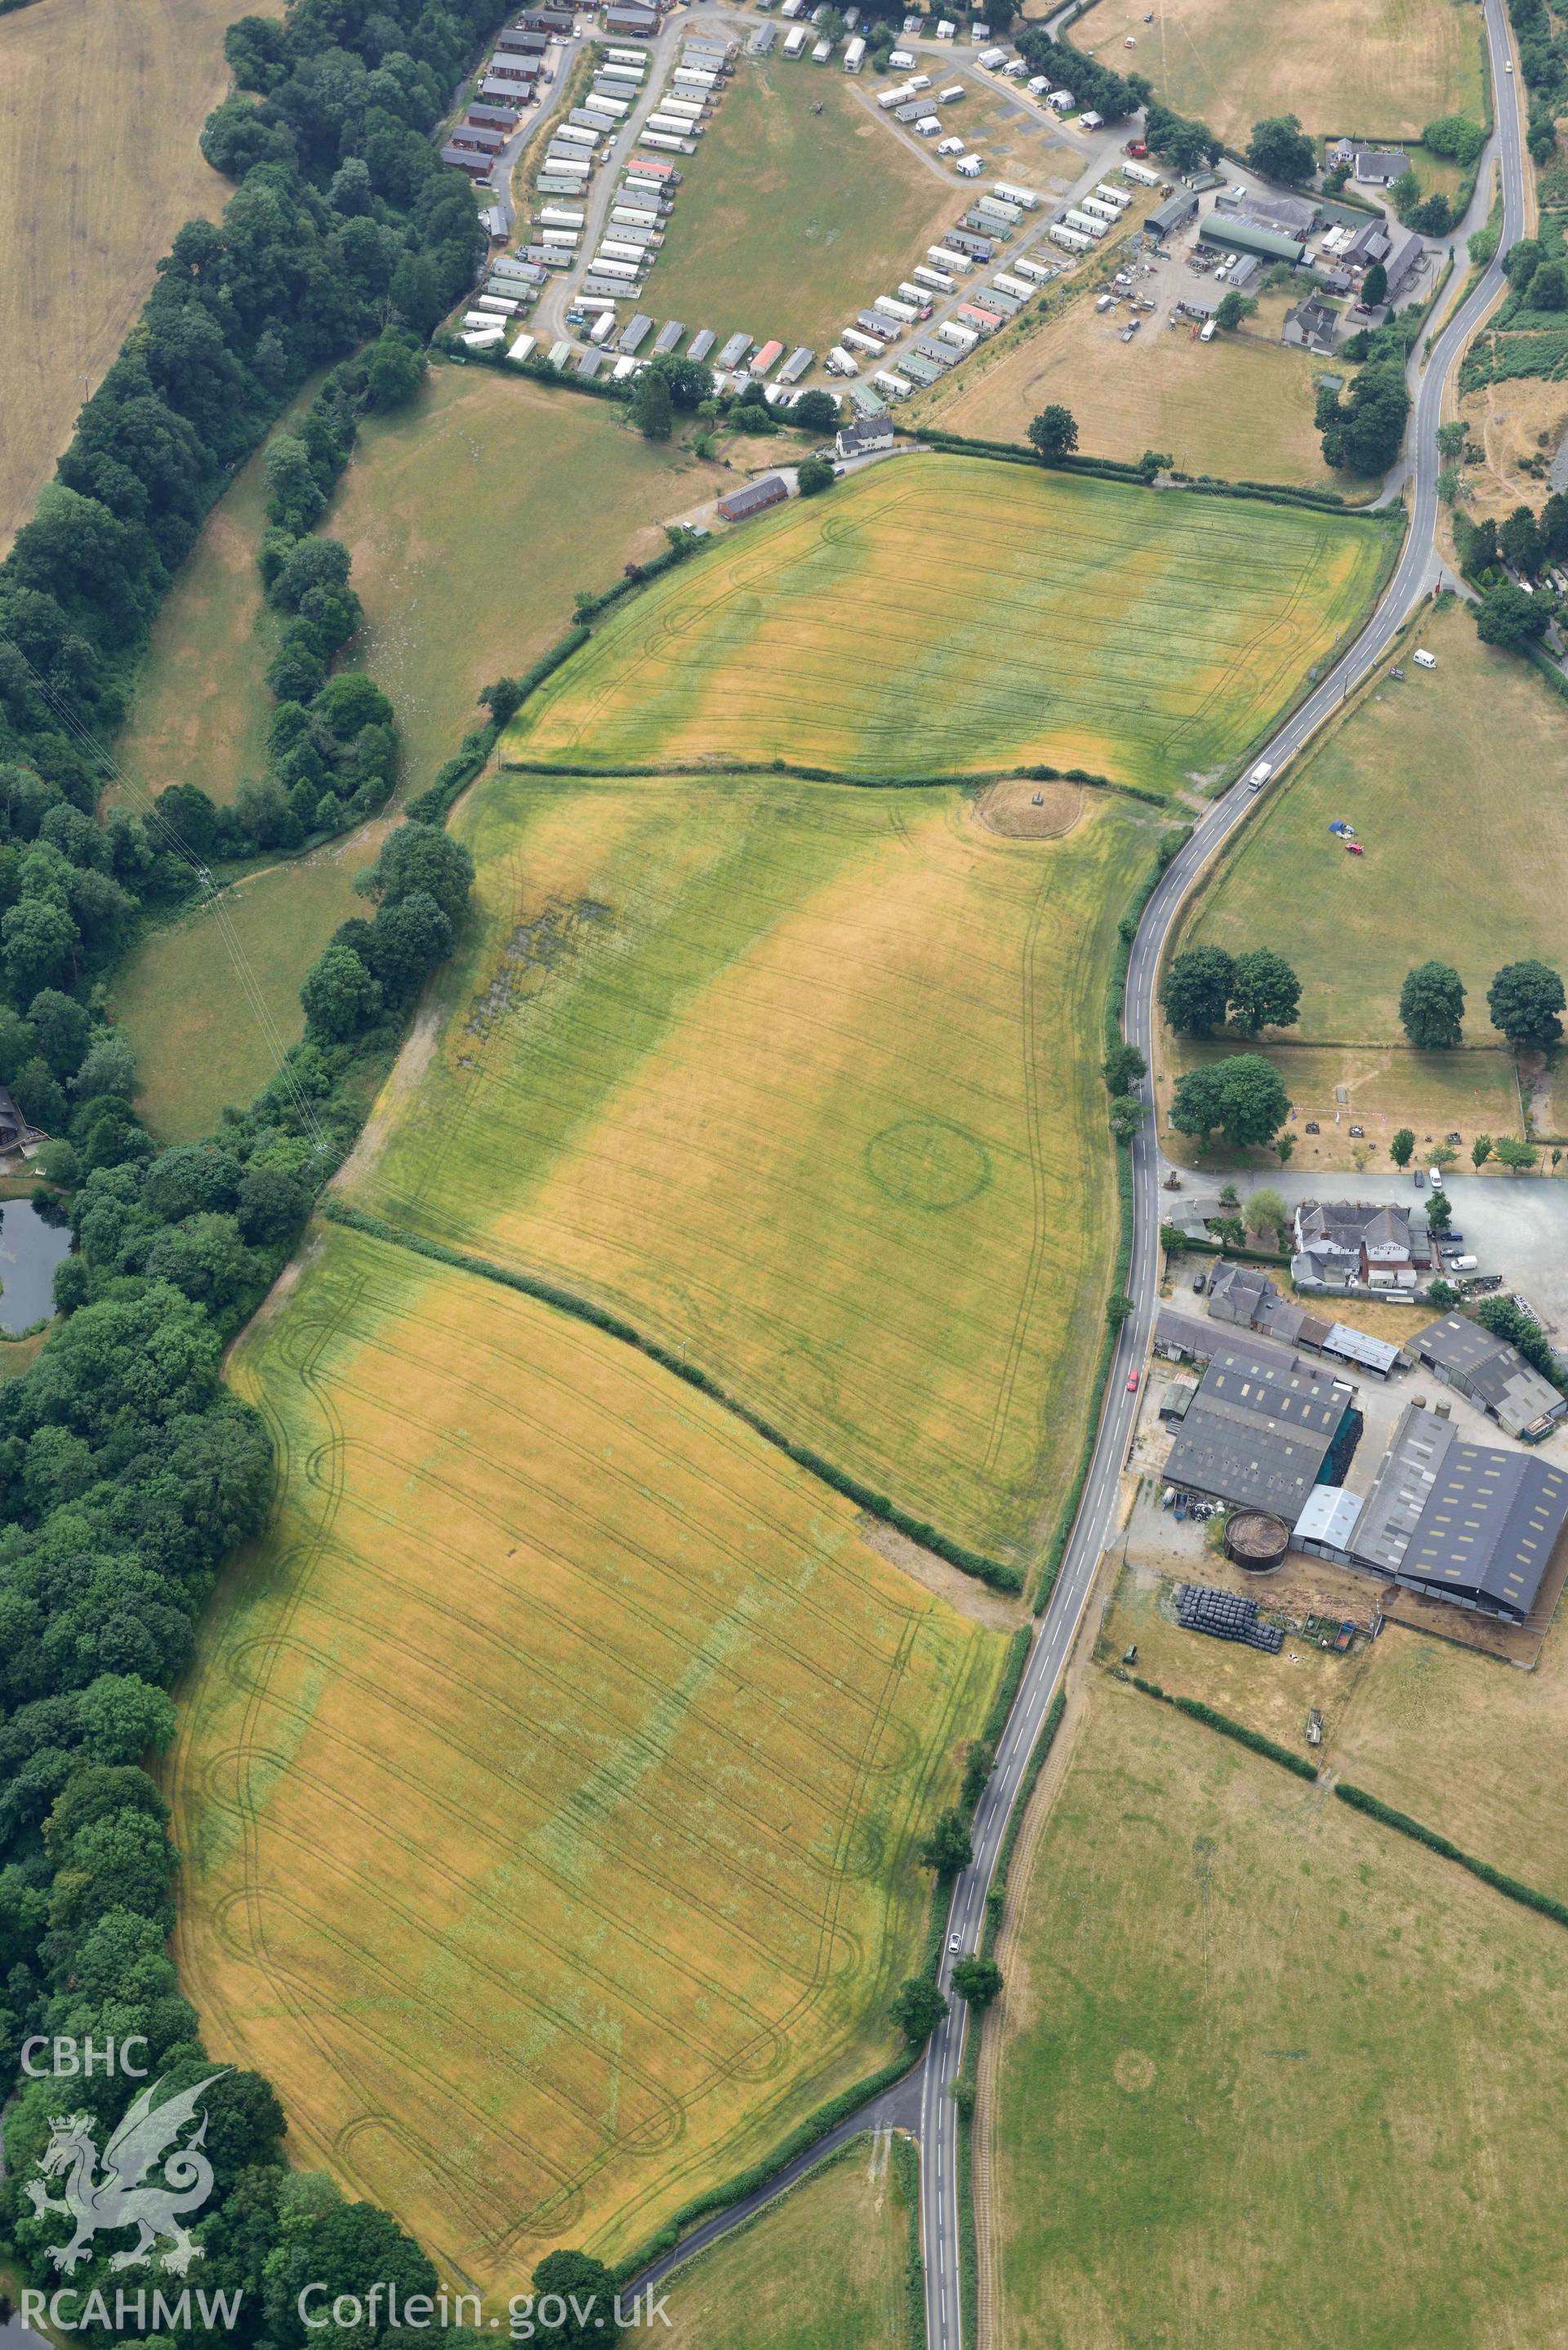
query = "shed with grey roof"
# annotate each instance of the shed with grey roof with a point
(1460, 1520)
(1492, 1374)
(1257, 1434)
(1174, 213)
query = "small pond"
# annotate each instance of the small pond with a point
(29, 1251)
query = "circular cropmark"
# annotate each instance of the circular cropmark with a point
(927, 1162)
(1134, 2071)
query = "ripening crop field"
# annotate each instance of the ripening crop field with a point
(549, 1775)
(803, 1080)
(943, 615)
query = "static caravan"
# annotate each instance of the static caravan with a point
(603, 327)
(962, 338)
(693, 78)
(1118, 196)
(523, 349)
(637, 215)
(734, 351)
(853, 54)
(560, 353)
(1026, 197)
(993, 208)
(861, 342)
(899, 95)
(574, 134)
(568, 239)
(504, 306)
(618, 273)
(1141, 175)
(613, 249)
(947, 257)
(1040, 273)
(905, 313)
(1085, 222)
(953, 93)
(768, 357)
(937, 280)
(838, 361)
(919, 294)
(560, 216)
(1098, 210)
(795, 366)
(1004, 283)
(1073, 239)
(795, 40)
(638, 57)
(669, 142)
(671, 125)
(897, 387)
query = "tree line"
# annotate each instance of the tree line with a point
(128, 1471)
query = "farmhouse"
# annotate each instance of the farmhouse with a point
(755, 498)
(1312, 326)
(1343, 1241)
(1492, 1374)
(1458, 1521)
(1244, 1296)
(1371, 166)
(1259, 1434)
(864, 438)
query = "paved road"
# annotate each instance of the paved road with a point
(1418, 570)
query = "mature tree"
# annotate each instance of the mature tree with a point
(206, 1258)
(1456, 136)
(394, 371)
(1451, 440)
(1127, 1114)
(1522, 259)
(977, 1980)
(813, 475)
(109, 1067)
(1480, 1151)
(1442, 1155)
(1442, 1293)
(295, 498)
(1524, 1001)
(272, 1205)
(1264, 991)
(123, 1718)
(1405, 193)
(1119, 1308)
(340, 995)
(1374, 285)
(61, 1028)
(1242, 1096)
(814, 411)
(1234, 306)
(1548, 287)
(1433, 216)
(1432, 1007)
(1554, 527)
(1055, 432)
(652, 408)
(421, 857)
(1281, 149)
(918, 2010)
(1439, 1212)
(1506, 616)
(947, 1849)
(691, 383)
(1196, 989)
(38, 945)
(1519, 539)
(1173, 1240)
(1515, 1156)
(1122, 1067)
(1402, 1150)
(1365, 428)
(585, 2289)
(188, 1179)
(1266, 1210)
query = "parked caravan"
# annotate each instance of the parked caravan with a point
(523, 349)
(962, 338)
(1085, 222)
(795, 40)
(855, 55)
(1140, 174)
(1118, 196)
(838, 362)
(768, 357)
(1060, 101)
(1009, 195)
(953, 93)
(897, 387)
(821, 52)
(1073, 239)
(1005, 283)
(603, 328)
(968, 167)
(859, 341)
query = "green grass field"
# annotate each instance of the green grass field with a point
(1272, 2076)
(206, 1002)
(828, 2262)
(805, 1080)
(941, 615)
(790, 221)
(1456, 781)
(550, 1775)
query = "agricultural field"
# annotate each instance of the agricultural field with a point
(208, 1002)
(549, 1776)
(1467, 855)
(791, 219)
(803, 1080)
(1240, 407)
(938, 615)
(1252, 2045)
(832, 2256)
(101, 107)
(1374, 68)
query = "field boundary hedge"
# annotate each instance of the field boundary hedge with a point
(1254, 1740)
(800, 2140)
(1546, 1905)
(985, 1568)
(972, 780)
(1136, 476)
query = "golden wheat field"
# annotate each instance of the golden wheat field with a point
(548, 1777)
(940, 615)
(803, 1080)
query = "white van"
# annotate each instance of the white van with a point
(1426, 660)
(1435, 1178)
(1259, 776)
(1208, 334)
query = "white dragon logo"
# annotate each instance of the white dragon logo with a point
(118, 2199)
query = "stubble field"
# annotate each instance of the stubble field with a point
(100, 108)
(1378, 68)
(804, 1081)
(549, 1775)
(1254, 2044)
(943, 615)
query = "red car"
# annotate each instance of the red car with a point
(1135, 147)
(1132, 1383)
(1354, 849)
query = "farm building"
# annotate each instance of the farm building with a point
(1353, 1240)
(1246, 236)
(1294, 215)
(1174, 213)
(755, 498)
(1492, 1374)
(1402, 255)
(865, 437)
(1244, 1296)
(1460, 1520)
(1312, 326)
(1259, 1434)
